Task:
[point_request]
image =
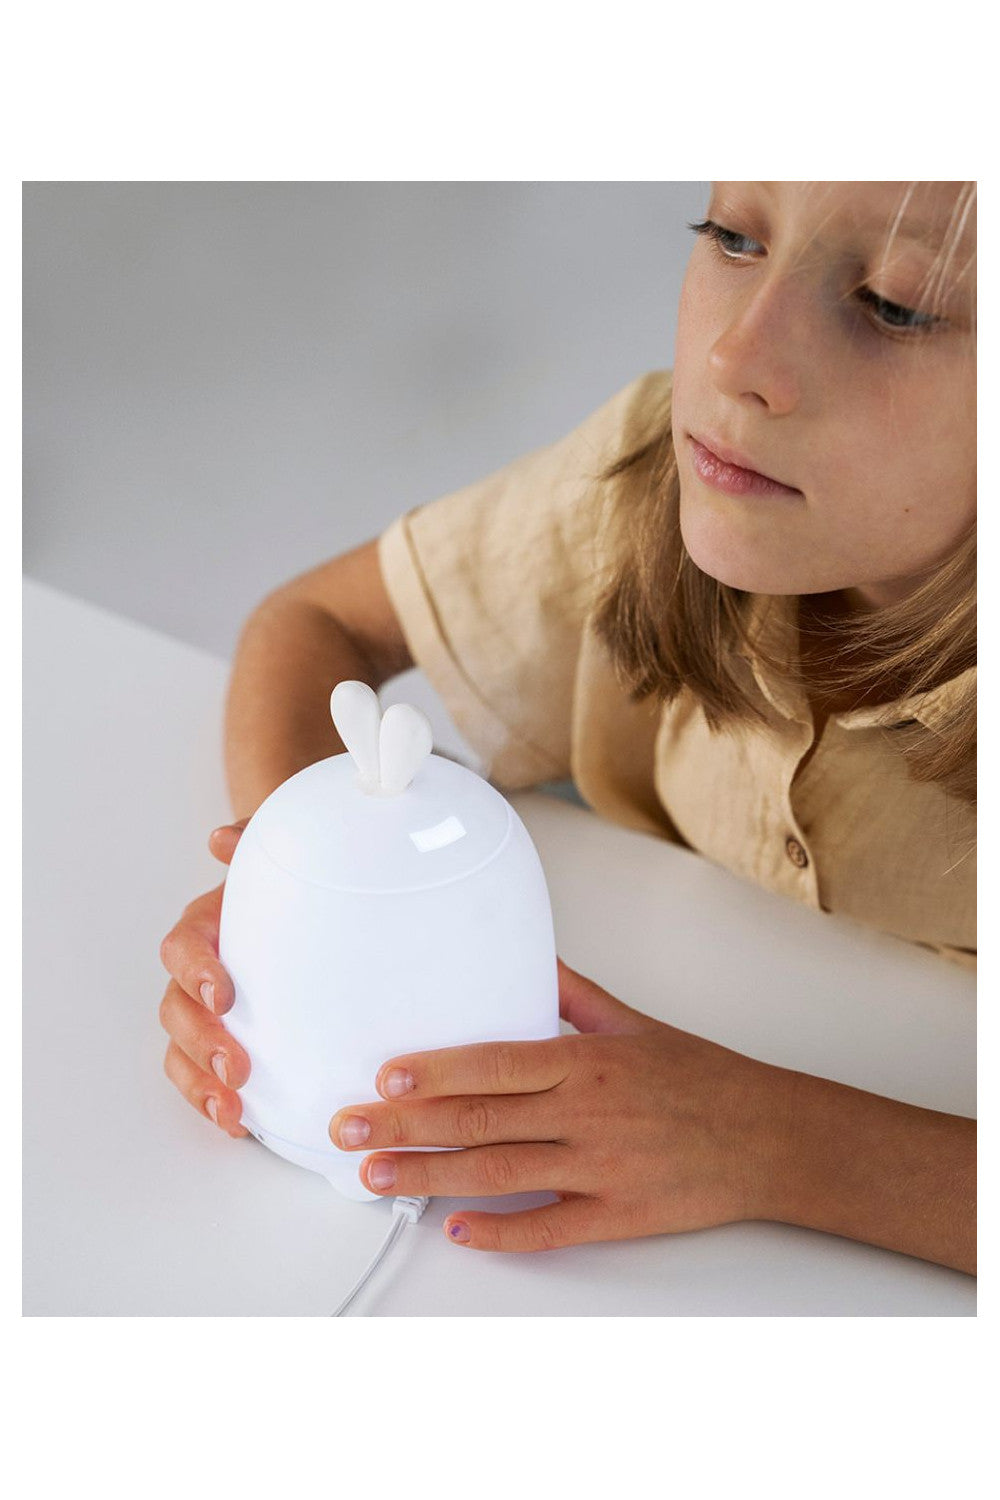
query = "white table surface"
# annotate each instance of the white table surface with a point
(133, 1205)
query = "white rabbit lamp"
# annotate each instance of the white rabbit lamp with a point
(378, 902)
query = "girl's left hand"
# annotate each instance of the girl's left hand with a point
(638, 1127)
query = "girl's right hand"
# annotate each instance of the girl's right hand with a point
(203, 1060)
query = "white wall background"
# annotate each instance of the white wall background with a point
(225, 383)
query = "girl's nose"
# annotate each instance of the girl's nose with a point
(757, 356)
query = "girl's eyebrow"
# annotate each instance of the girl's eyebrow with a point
(909, 229)
(924, 231)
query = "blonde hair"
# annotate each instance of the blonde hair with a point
(667, 625)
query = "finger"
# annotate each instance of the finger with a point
(588, 1007)
(470, 1120)
(222, 841)
(208, 1095)
(190, 953)
(203, 1037)
(477, 1068)
(569, 1222)
(478, 1172)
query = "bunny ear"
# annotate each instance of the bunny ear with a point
(356, 715)
(404, 743)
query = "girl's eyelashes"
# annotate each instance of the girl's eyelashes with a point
(890, 315)
(894, 316)
(723, 239)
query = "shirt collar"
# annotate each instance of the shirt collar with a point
(773, 623)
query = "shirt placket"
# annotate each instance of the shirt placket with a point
(787, 856)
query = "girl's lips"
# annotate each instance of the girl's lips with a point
(731, 478)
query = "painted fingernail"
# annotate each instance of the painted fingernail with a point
(219, 1065)
(354, 1131)
(212, 1109)
(381, 1174)
(397, 1081)
(459, 1231)
(207, 993)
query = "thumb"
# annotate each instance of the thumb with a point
(222, 841)
(588, 1007)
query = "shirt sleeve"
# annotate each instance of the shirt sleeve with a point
(492, 585)
(966, 958)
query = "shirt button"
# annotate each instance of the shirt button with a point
(796, 853)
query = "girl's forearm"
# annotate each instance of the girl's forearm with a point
(291, 655)
(873, 1169)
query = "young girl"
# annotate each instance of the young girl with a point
(737, 606)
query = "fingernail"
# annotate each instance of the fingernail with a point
(219, 1065)
(381, 1174)
(207, 993)
(212, 1108)
(397, 1081)
(354, 1130)
(459, 1231)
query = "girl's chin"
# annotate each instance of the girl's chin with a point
(729, 560)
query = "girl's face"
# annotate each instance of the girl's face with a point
(826, 339)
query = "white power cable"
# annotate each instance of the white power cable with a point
(404, 1211)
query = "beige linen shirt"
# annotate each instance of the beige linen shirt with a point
(491, 584)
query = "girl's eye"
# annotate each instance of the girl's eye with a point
(894, 316)
(727, 241)
(733, 246)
